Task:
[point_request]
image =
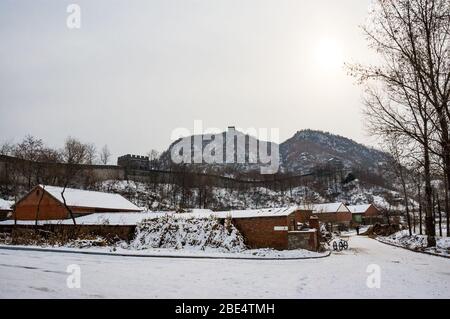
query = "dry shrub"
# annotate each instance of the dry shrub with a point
(72, 237)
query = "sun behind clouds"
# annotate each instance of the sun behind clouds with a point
(328, 54)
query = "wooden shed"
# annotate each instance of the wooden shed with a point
(46, 202)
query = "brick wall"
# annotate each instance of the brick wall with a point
(303, 239)
(336, 218)
(259, 232)
(302, 216)
(49, 208)
(372, 211)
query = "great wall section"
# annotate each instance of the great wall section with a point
(22, 171)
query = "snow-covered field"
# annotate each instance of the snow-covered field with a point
(403, 274)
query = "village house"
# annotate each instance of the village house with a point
(46, 202)
(276, 228)
(333, 213)
(365, 214)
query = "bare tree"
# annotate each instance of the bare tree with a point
(447, 208)
(29, 150)
(91, 154)
(49, 155)
(39, 207)
(398, 152)
(412, 37)
(105, 155)
(6, 148)
(418, 181)
(439, 212)
(75, 154)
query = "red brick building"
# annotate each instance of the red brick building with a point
(273, 227)
(365, 213)
(333, 213)
(81, 202)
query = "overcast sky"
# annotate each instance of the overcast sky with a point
(136, 70)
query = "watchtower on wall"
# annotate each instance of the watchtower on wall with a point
(130, 161)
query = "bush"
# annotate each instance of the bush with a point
(178, 233)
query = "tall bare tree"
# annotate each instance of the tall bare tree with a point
(398, 164)
(6, 148)
(412, 88)
(29, 150)
(74, 154)
(105, 155)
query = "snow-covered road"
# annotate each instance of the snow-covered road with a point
(404, 274)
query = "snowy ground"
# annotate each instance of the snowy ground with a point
(194, 252)
(418, 242)
(404, 274)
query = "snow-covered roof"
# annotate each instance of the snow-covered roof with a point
(358, 209)
(96, 219)
(329, 208)
(116, 218)
(134, 218)
(6, 204)
(262, 212)
(82, 198)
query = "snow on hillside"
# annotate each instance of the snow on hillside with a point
(152, 197)
(167, 196)
(162, 197)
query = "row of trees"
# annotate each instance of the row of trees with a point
(73, 151)
(407, 95)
